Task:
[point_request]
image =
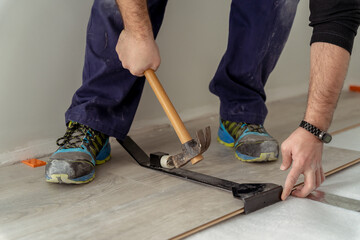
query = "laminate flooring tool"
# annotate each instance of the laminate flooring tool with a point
(335, 200)
(191, 148)
(254, 195)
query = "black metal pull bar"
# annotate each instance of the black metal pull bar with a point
(254, 195)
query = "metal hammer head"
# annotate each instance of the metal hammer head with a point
(191, 148)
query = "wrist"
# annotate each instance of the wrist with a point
(320, 134)
(143, 34)
(319, 119)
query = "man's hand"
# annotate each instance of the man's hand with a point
(137, 54)
(136, 47)
(304, 151)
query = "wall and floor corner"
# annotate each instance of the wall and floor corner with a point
(41, 57)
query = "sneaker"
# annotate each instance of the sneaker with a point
(81, 148)
(251, 141)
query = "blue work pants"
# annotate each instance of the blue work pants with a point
(109, 95)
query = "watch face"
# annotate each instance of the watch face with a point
(326, 138)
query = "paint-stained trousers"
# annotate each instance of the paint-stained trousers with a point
(109, 95)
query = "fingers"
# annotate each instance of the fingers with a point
(309, 185)
(291, 180)
(139, 71)
(322, 174)
(304, 153)
(313, 179)
(318, 178)
(286, 156)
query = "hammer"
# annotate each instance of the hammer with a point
(191, 148)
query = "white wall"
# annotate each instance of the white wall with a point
(41, 57)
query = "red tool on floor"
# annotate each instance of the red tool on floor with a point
(34, 162)
(354, 88)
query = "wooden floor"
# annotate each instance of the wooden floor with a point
(126, 201)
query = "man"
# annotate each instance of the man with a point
(106, 102)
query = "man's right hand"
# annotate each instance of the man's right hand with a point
(138, 53)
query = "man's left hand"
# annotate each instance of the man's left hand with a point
(303, 151)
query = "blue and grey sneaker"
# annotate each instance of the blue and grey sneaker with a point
(81, 148)
(251, 141)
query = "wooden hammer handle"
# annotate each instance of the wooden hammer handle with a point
(170, 111)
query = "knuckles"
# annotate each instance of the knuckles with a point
(284, 148)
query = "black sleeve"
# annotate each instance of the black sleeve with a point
(335, 21)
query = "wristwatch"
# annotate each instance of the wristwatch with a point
(322, 135)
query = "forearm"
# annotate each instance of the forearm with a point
(136, 18)
(329, 65)
(136, 46)
(335, 25)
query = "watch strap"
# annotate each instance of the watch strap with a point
(311, 128)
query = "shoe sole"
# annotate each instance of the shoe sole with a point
(64, 178)
(99, 162)
(225, 143)
(264, 157)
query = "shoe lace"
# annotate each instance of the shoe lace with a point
(236, 129)
(256, 128)
(75, 135)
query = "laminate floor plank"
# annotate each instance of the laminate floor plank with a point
(126, 201)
